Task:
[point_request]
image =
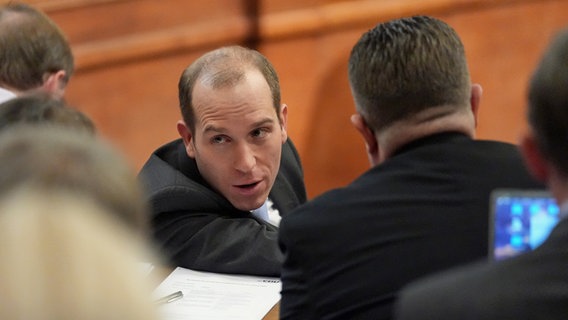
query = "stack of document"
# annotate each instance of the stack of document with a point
(212, 296)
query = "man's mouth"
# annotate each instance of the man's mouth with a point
(248, 186)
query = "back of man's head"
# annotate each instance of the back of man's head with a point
(404, 66)
(548, 103)
(41, 108)
(31, 47)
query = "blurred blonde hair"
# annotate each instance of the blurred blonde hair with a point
(62, 256)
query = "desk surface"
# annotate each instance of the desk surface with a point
(160, 273)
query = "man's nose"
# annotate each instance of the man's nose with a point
(245, 158)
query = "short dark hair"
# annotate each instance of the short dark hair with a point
(548, 103)
(228, 65)
(41, 108)
(31, 45)
(405, 66)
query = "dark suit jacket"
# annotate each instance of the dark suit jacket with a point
(348, 251)
(199, 229)
(531, 286)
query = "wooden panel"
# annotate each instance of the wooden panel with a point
(101, 20)
(315, 87)
(51, 5)
(130, 54)
(503, 49)
(272, 6)
(134, 105)
(503, 42)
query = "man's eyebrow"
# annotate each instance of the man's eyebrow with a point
(263, 122)
(212, 128)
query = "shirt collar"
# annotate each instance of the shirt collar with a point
(563, 210)
(6, 95)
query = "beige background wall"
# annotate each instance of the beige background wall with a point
(130, 54)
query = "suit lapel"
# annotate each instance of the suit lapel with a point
(281, 195)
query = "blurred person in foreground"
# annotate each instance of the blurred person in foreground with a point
(59, 157)
(218, 193)
(41, 108)
(34, 52)
(424, 204)
(64, 256)
(533, 285)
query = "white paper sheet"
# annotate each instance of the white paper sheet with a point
(212, 296)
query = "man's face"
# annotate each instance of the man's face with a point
(238, 139)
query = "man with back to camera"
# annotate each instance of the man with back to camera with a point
(219, 191)
(34, 52)
(424, 204)
(533, 285)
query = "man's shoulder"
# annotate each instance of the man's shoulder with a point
(495, 144)
(461, 151)
(491, 155)
(320, 208)
(289, 189)
(458, 140)
(445, 294)
(172, 181)
(290, 162)
(289, 150)
(473, 290)
(163, 167)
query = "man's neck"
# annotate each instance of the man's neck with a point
(422, 125)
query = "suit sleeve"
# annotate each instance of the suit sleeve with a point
(214, 243)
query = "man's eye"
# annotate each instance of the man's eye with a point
(218, 140)
(259, 133)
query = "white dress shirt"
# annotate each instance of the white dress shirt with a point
(6, 95)
(268, 213)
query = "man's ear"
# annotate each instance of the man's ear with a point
(369, 138)
(55, 83)
(475, 99)
(535, 162)
(284, 122)
(187, 137)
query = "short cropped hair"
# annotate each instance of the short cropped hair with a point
(227, 66)
(548, 103)
(404, 66)
(41, 108)
(31, 46)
